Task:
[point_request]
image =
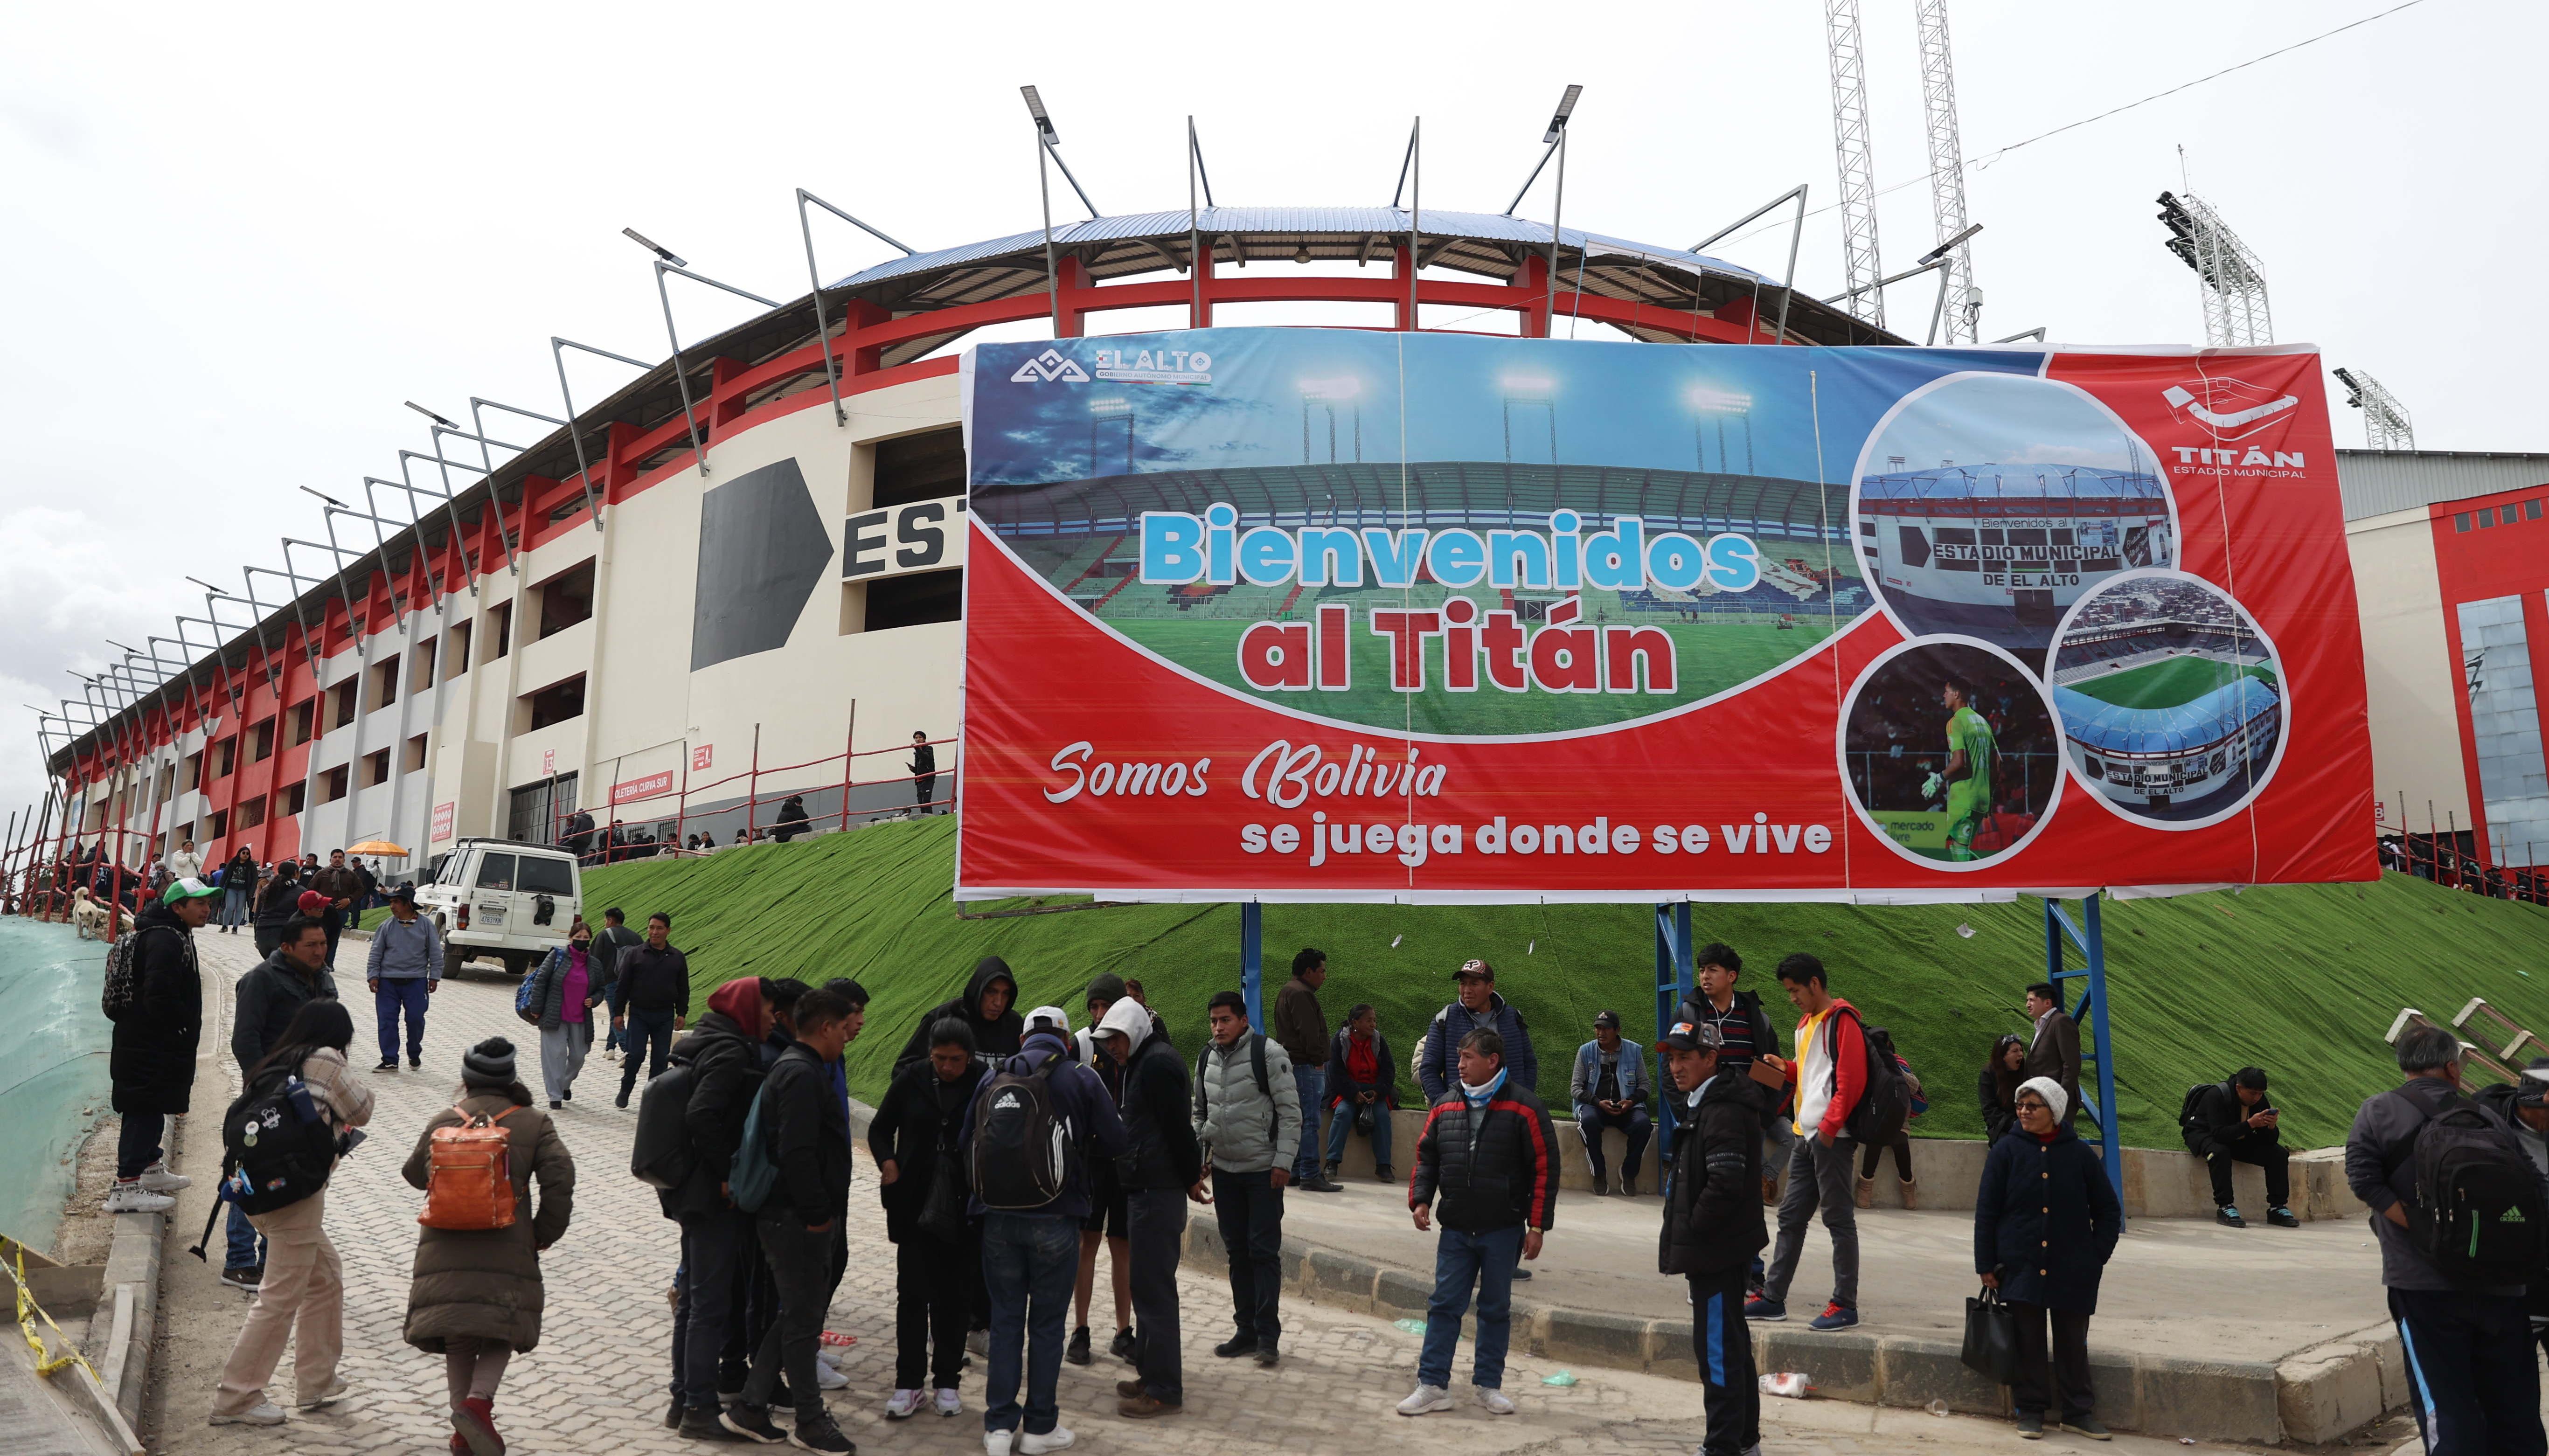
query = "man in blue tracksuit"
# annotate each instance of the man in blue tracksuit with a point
(404, 972)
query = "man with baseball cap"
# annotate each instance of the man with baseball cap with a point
(1479, 1008)
(1609, 1090)
(405, 970)
(152, 1064)
(1713, 1226)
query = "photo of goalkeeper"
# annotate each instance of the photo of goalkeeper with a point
(1952, 751)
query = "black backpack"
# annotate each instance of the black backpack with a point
(659, 1154)
(1023, 1151)
(1884, 1103)
(278, 1145)
(2479, 1214)
(2190, 1113)
(1256, 1061)
(123, 988)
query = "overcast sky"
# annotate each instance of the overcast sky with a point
(235, 239)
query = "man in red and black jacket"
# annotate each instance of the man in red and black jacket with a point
(1486, 1166)
(1829, 1076)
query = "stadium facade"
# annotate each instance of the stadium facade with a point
(739, 578)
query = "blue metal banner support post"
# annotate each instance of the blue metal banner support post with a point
(1672, 985)
(2091, 1011)
(1251, 961)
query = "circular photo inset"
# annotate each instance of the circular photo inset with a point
(2171, 699)
(1985, 504)
(1951, 752)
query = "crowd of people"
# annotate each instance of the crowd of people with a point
(1012, 1150)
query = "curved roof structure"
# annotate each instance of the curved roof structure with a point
(2018, 482)
(2109, 728)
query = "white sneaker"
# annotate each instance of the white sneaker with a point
(996, 1442)
(265, 1413)
(334, 1392)
(902, 1405)
(1427, 1397)
(828, 1379)
(1056, 1439)
(950, 1403)
(157, 1179)
(827, 1356)
(1496, 1400)
(132, 1198)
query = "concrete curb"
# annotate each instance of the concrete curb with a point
(122, 1331)
(2318, 1396)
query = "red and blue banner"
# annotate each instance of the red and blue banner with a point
(1307, 615)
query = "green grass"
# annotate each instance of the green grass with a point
(2165, 684)
(2301, 981)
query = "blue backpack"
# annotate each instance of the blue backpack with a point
(531, 996)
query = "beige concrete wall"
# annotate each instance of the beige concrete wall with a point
(2411, 683)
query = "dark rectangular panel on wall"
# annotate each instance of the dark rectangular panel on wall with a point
(928, 466)
(910, 602)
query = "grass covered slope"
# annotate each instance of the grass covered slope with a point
(2300, 980)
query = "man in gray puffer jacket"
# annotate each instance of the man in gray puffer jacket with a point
(1248, 1118)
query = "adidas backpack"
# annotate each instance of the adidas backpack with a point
(469, 1174)
(278, 1145)
(2479, 1214)
(1024, 1151)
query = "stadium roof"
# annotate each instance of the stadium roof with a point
(2112, 728)
(2378, 481)
(1994, 482)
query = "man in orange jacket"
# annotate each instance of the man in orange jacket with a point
(1829, 1073)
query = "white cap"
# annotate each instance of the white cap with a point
(1050, 1016)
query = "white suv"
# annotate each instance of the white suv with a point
(501, 900)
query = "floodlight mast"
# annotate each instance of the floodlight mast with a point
(2385, 424)
(1860, 266)
(2230, 280)
(1947, 169)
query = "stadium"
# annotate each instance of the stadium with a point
(2170, 703)
(737, 578)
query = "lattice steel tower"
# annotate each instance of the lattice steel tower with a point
(1946, 174)
(2385, 425)
(1859, 263)
(2236, 311)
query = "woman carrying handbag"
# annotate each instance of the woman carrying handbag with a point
(937, 1254)
(2045, 1223)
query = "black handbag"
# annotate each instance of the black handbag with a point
(942, 1208)
(1991, 1337)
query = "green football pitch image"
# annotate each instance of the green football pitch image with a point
(2165, 684)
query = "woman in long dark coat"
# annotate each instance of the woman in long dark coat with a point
(477, 1293)
(2045, 1223)
(1997, 1089)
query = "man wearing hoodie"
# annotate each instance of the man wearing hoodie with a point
(1109, 1216)
(723, 1055)
(1030, 1252)
(1828, 1076)
(988, 1006)
(1248, 1117)
(1161, 1171)
(808, 1130)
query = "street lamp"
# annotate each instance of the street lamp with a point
(1110, 408)
(1530, 388)
(1710, 402)
(1344, 390)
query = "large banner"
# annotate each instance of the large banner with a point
(1309, 615)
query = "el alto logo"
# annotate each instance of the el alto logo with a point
(1050, 367)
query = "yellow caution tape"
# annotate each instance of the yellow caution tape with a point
(28, 1310)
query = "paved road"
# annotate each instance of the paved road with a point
(596, 1383)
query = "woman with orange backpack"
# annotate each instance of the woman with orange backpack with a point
(477, 1295)
(303, 1295)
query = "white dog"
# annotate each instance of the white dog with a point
(88, 915)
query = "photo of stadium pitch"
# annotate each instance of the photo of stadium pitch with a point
(1950, 752)
(1987, 505)
(2171, 702)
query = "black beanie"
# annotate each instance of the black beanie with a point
(489, 1064)
(1106, 986)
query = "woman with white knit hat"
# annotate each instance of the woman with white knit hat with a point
(2045, 1223)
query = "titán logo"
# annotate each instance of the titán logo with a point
(2227, 409)
(1050, 367)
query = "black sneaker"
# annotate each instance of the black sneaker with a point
(1522, 1274)
(623, 1097)
(1122, 1348)
(1236, 1347)
(673, 1417)
(246, 1279)
(567, 1092)
(2030, 1425)
(700, 1423)
(820, 1434)
(1268, 1355)
(751, 1424)
(554, 1103)
(416, 1061)
(2228, 1217)
(1077, 1352)
(2283, 1218)
(388, 1064)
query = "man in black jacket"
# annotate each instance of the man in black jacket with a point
(261, 1008)
(724, 1059)
(924, 771)
(1747, 1033)
(1713, 1226)
(1490, 1153)
(808, 1130)
(2233, 1123)
(652, 983)
(936, 1273)
(1163, 1169)
(152, 1065)
(988, 1006)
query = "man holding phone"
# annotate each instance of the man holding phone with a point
(2232, 1122)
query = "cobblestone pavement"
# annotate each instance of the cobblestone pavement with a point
(597, 1382)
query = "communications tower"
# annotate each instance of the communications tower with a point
(1859, 263)
(1946, 174)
